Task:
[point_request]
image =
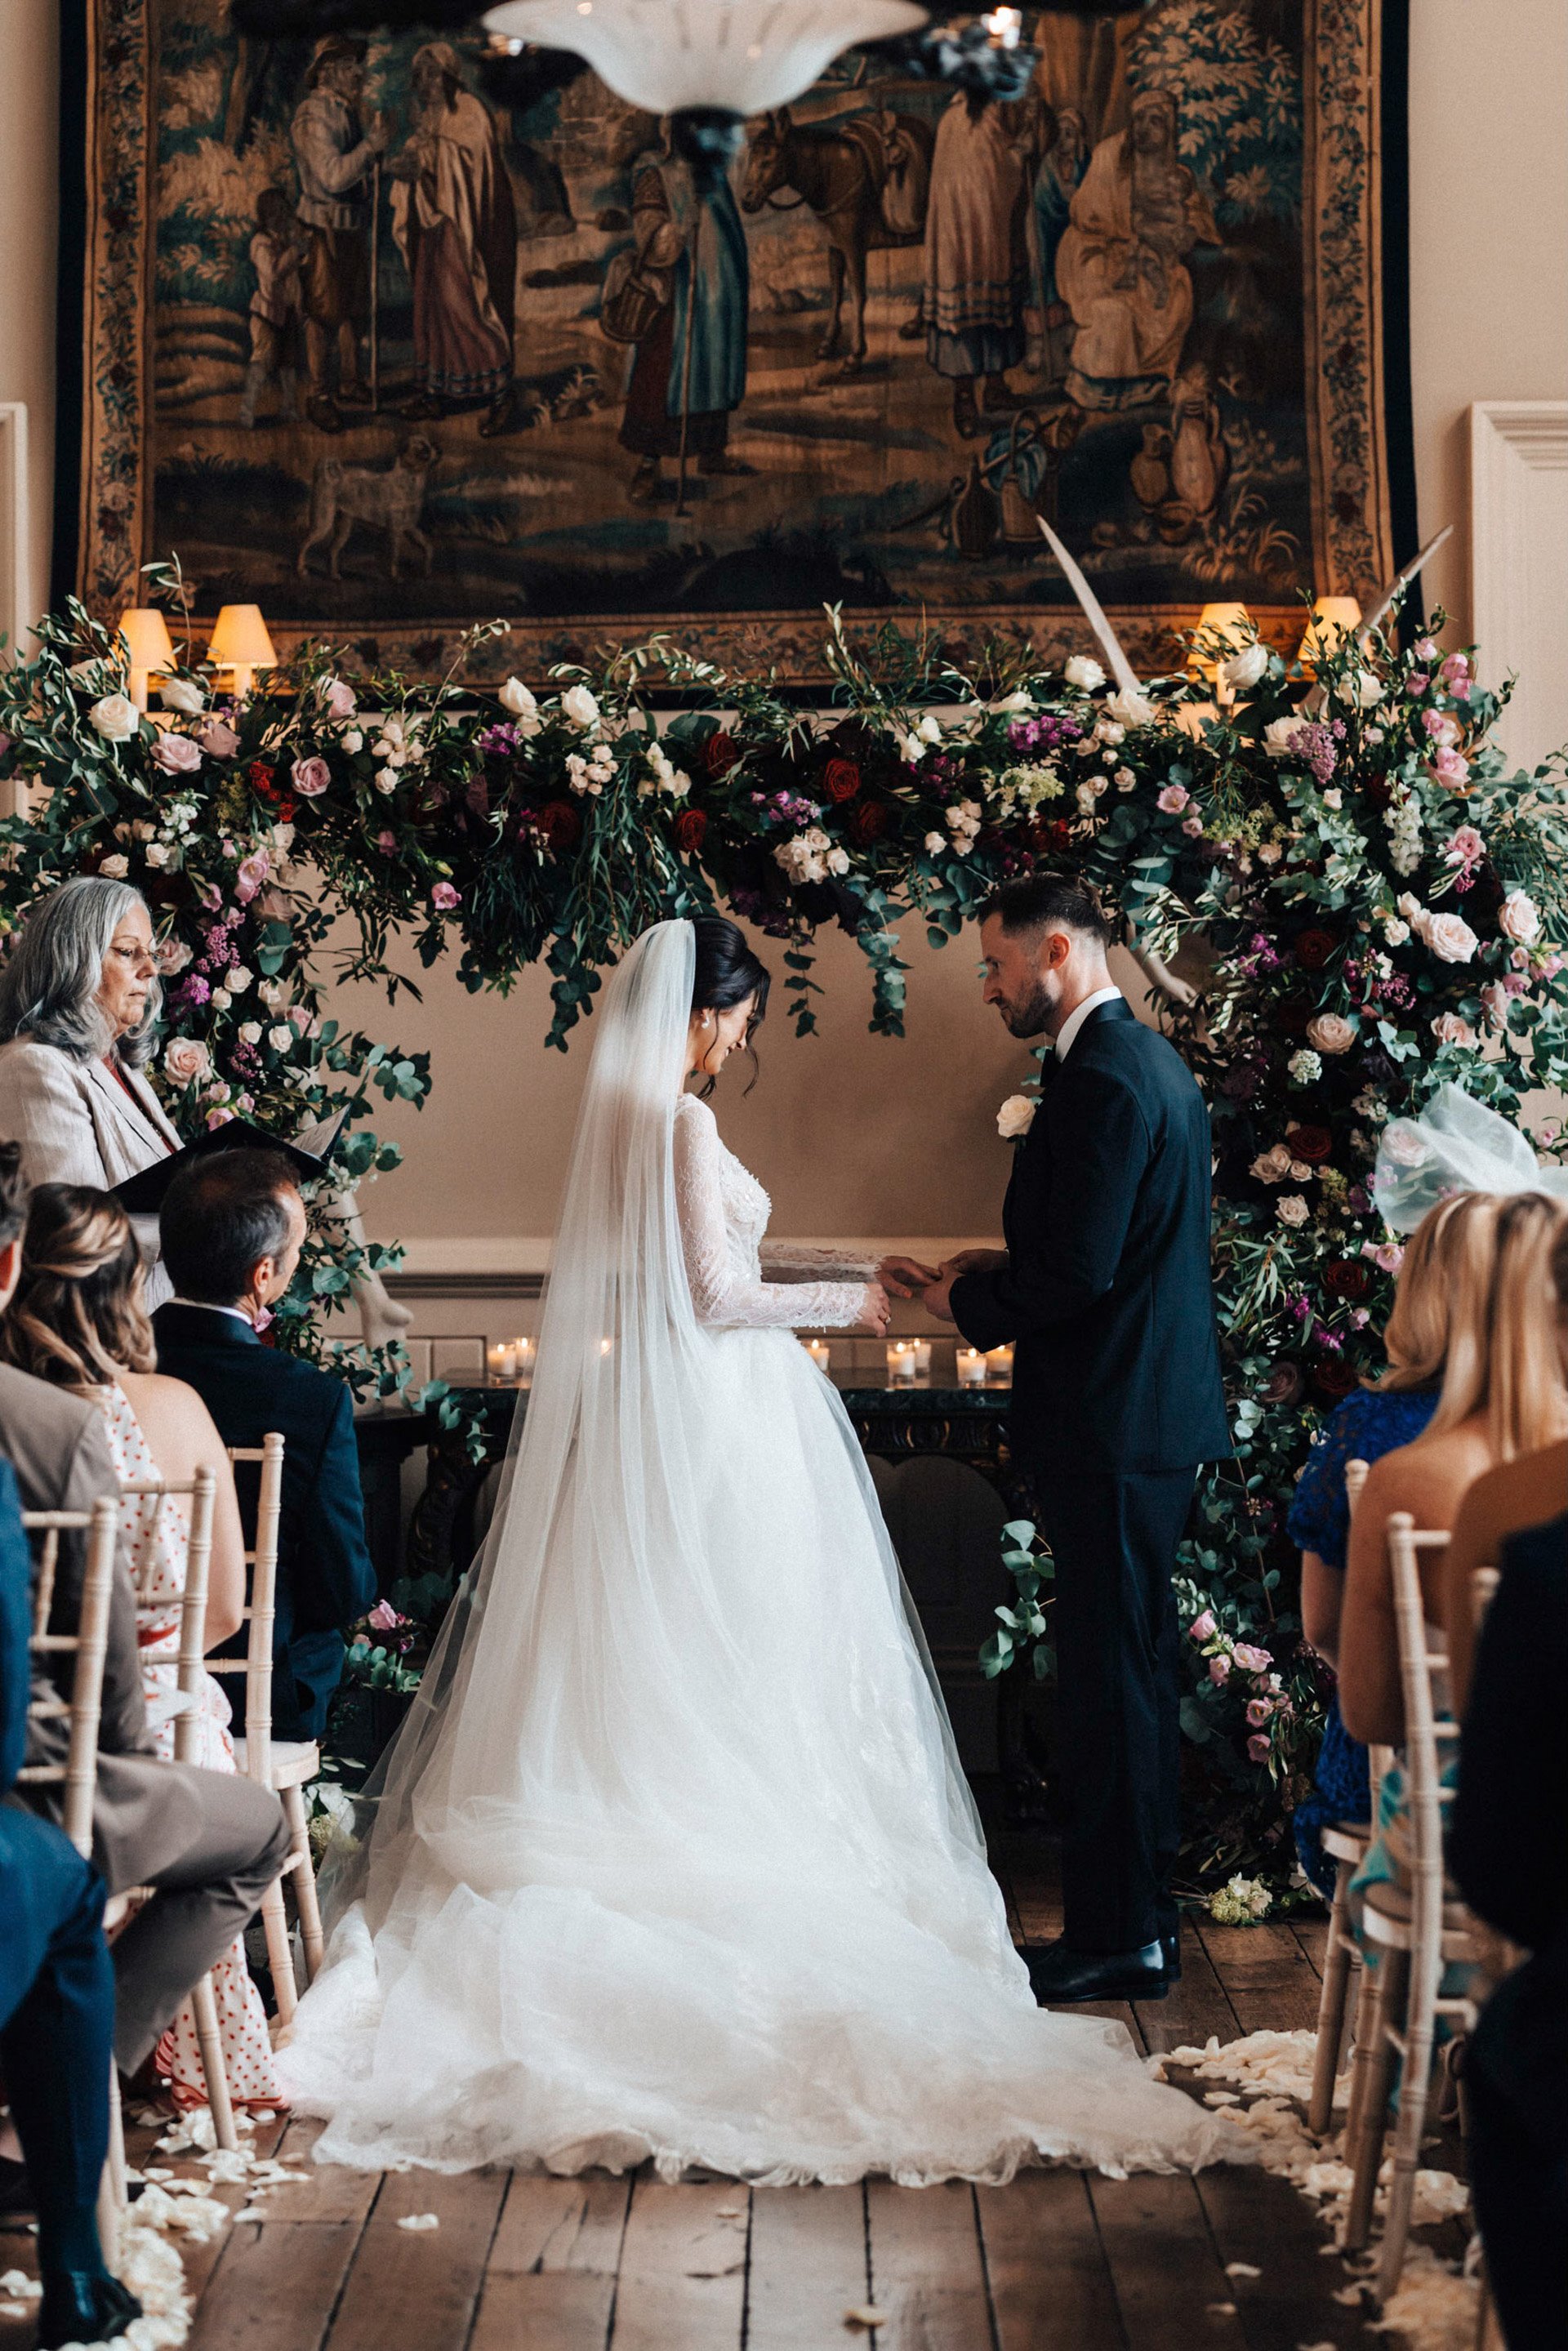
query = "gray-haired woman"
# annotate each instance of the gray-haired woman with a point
(79, 999)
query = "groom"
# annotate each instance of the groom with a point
(1104, 1285)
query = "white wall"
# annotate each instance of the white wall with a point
(30, 179)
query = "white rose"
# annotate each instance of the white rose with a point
(158, 853)
(186, 1060)
(928, 730)
(1330, 1033)
(1395, 931)
(250, 1033)
(1361, 691)
(1450, 937)
(116, 718)
(115, 868)
(1016, 1117)
(1300, 1170)
(1304, 1067)
(515, 698)
(1451, 1029)
(280, 1038)
(221, 999)
(352, 740)
(1125, 779)
(386, 781)
(838, 861)
(1131, 709)
(1292, 1209)
(1280, 737)
(180, 694)
(935, 843)
(578, 704)
(1239, 670)
(1108, 731)
(1518, 919)
(1334, 799)
(238, 978)
(1082, 673)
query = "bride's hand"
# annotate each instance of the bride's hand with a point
(904, 1276)
(877, 1312)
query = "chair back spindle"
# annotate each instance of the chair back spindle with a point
(78, 1773)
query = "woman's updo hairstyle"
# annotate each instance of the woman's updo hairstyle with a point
(725, 972)
(78, 1318)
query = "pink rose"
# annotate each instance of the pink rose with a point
(1257, 1747)
(384, 1616)
(1449, 1028)
(1466, 847)
(186, 1060)
(218, 1118)
(1450, 937)
(1424, 648)
(1449, 769)
(1518, 919)
(172, 956)
(175, 754)
(1386, 1255)
(1330, 1033)
(1253, 1660)
(386, 842)
(1218, 1669)
(444, 897)
(310, 777)
(1458, 676)
(1551, 967)
(1193, 826)
(1440, 726)
(1416, 683)
(1259, 1710)
(1494, 1003)
(337, 702)
(217, 738)
(1201, 1627)
(249, 875)
(1174, 799)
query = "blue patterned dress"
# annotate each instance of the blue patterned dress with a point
(1364, 1427)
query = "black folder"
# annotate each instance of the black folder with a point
(142, 1195)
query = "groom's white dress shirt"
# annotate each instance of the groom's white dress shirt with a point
(1074, 1021)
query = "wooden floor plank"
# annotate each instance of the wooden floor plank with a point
(273, 2286)
(420, 2286)
(561, 2224)
(1311, 1928)
(1261, 2221)
(543, 2310)
(1267, 1976)
(1050, 2286)
(926, 2269)
(808, 2266)
(1169, 2284)
(326, 2192)
(683, 2267)
(1192, 2007)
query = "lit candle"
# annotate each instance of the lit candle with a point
(821, 1355)
(921, 1358)
(999, 1366)
(502, 1362)
(971, 1368)
(901, 1362)
(1004, 26)
(523, 1360)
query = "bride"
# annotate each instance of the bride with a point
(673, 1858)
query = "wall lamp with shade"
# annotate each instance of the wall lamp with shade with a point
(241, 646)
(1231, 622)
(144, 632)
(1334, 619)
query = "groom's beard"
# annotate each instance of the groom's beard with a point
(1026, 1018)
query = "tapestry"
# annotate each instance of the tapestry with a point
(362, 346)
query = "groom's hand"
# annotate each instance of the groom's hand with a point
(904, 1276)
(938, 1298)
(975, 1262)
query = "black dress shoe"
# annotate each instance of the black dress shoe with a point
(83, 2306)
(1170, 1946)
(1059, 1974)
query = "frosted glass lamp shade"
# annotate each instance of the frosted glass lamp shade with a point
(144, 632)
(240, 643)
(742, 56)
(1333, 618)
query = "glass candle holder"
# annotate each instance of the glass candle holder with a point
(901, 1362)
(999, 1366)
(525, 1350)
(821, 1355)
(921, 1358)
(501, 1362)
(971, 1368)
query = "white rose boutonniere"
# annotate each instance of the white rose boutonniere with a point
(1016, 1117)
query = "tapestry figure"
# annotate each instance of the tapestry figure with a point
(977, 269)
(335, 158)
(1062, 169)
(689, 374)
(455, 226)
(276, 319)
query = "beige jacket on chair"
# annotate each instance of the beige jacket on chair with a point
(77, 1125)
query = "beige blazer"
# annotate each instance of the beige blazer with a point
(74, 1121)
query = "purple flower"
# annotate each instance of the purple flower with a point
(192, 993)
(1319, 746)
(500, 742)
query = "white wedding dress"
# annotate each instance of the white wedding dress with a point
(675, 1859)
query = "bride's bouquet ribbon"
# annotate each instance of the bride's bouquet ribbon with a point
(1456, 1145)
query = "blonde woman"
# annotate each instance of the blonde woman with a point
(78, 1320)
(1502, 1396)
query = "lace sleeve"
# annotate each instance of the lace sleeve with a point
(794, 1261)
(721, 1295)
(1364, 1427)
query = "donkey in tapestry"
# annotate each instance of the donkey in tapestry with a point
(866, 177)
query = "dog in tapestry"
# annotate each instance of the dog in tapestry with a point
(384, 498)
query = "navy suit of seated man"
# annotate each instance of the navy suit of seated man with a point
(231, 1228)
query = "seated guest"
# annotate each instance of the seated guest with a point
(1503, 1394)
(232, 1229)
(79, 999)
(1525, 1492)
(77, 1320)
(211, 1842)
(57, 2001)
(1509, 1835)
(1388, 1412)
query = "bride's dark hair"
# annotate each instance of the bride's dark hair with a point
(726, 973)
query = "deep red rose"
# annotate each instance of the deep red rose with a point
(1313, 950)
(560, 823)
(1346, 1277)
(1313, 1144)
(262, 778)
(1284, 1383)
(719, 754)
(840, 779)
(287, 812)
(691, 825)
(1291, 1014)
(1334, 1378)
(868, 822)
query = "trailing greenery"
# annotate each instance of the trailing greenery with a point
(1373, 902)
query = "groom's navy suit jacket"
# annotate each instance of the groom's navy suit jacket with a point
(1106, 1292)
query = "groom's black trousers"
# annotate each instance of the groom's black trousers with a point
(1113, 1540)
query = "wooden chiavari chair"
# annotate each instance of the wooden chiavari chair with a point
(1419, 1930)
(78, 1773)
(286, 1766)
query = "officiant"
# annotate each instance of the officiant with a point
(80, 1001)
